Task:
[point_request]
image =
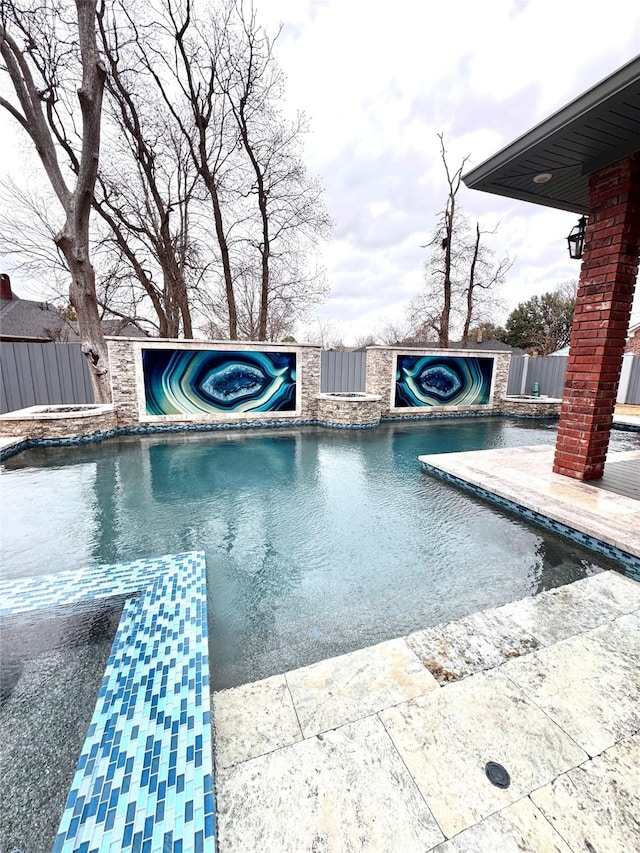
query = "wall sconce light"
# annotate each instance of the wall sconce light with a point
(576, 238)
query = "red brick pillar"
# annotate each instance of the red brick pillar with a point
(600, 320)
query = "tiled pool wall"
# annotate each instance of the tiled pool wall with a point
(144, 780)
(155, 429)
(629, 561)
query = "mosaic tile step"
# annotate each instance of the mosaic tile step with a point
(144, 780)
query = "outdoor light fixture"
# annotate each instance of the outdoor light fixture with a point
(542, 178)
(576, 238)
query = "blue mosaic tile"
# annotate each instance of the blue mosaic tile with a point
(629, 561)
(147, 759)
(152, 429)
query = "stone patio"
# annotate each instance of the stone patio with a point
(384, 749)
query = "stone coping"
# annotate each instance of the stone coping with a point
(349, 397)
(529, 398)
(521, 480)
(55, 412)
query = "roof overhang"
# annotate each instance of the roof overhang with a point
(600, 127)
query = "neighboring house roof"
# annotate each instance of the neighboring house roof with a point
(491, 345)
(28, 320)
(561, 351)
(40, 322)
(122, 329)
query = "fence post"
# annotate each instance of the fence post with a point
(525, 375)
(625, 378)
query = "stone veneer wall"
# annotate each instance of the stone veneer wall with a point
(344, 412)
(381, 380)
(531, 408)
(59, 427)
(128, 387)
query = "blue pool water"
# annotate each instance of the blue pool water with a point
(317, 541)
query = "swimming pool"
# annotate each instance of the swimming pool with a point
(317, 542)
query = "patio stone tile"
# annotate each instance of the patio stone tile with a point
(253, 719)
(519, 828)
(343, 689)
(587, 686)
(622, 591)
(621, 637)
(477, 642)
(595, 806)
(559, 613)
(447, 737)
(346, 790)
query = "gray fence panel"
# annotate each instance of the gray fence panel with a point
(9, 369)
(633, 391)
(43, 374)
(549, 372)
(342, 371)
(514, 383)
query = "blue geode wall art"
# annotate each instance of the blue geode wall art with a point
(205, 382)
(441, 380)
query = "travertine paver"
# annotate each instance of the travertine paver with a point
(359, 787)
(346, 688)
(617, 588)
(586, 686)
(525, 475)
(346, 790)
(447, 737)
(568, 610)
(519, 828)
(597, 806)
(253, 719)
(622, 637)
(472, 644)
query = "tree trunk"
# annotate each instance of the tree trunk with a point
(82, 295)
(73, 240)
(470, 288)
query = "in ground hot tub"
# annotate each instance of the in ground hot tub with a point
(59, 421)
(349, 409)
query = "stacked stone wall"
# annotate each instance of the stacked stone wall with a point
(381, 380)
(334, 411)
(128, 387)
(32, 426)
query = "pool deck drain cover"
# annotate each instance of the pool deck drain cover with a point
(497, 774)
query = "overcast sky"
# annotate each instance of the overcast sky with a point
(379, 81)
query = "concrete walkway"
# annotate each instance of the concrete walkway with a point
(385, 749)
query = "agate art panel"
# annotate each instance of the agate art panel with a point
(439, 380)
(205, 382)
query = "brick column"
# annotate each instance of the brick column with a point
(600, 320)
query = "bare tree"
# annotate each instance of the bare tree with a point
(57, 50)
(461, 277)
(182, 63)
(289, 203)
(483, 277)
(444, 240)
(147, 184)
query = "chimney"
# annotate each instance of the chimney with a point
(480, 335)
(5, 286)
